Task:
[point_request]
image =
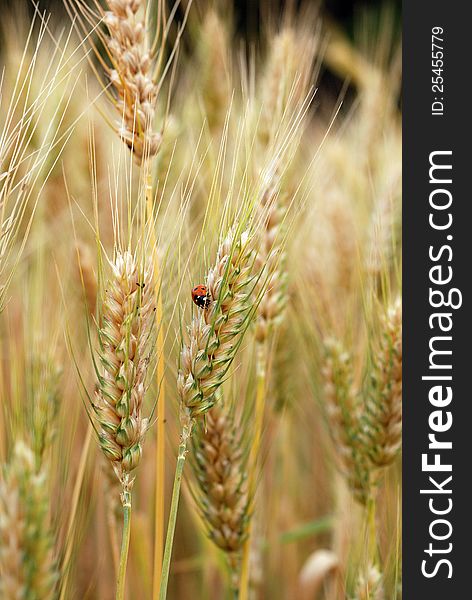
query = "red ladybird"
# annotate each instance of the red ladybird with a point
(201, 296)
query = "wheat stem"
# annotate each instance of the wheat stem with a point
(253, 454)
(371, 530)
(74, 503)
(186, 432)
(111, 521)
(161, 412)
(120, 586)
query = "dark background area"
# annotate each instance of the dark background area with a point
(247, 11)
(248, 15)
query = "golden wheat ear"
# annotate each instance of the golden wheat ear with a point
(131, 75)
(134, 36)
(271, 287)
(219, 466)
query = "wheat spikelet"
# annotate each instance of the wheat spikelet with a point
(27, 565)
(342, 412)
(220, 470)
(270, 261)
(214, 334)
(383, 419)
(124, 334)
(369, 585)
(131, 76)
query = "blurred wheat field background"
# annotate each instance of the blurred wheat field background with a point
(200, 303)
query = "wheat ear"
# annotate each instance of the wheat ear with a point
(131, 75)
(27, 564)
(137, 62)
(124, 334)
(383, 419)
(214, 54)
(271, 288)
(286, 79)
(214, 336)
(126, 318)
(343, 415)
(222, 496)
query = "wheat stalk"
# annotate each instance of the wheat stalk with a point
(112, 489)
(281, 101)
(136, 74)
(136, 65)
(270, 296)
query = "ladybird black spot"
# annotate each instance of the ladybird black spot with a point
(202, 301)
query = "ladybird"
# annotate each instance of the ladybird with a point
(201, 296)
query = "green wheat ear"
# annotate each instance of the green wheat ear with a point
(28, 566)
(127, 314)
(382, 423)
(215, 333)
(342, 410)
